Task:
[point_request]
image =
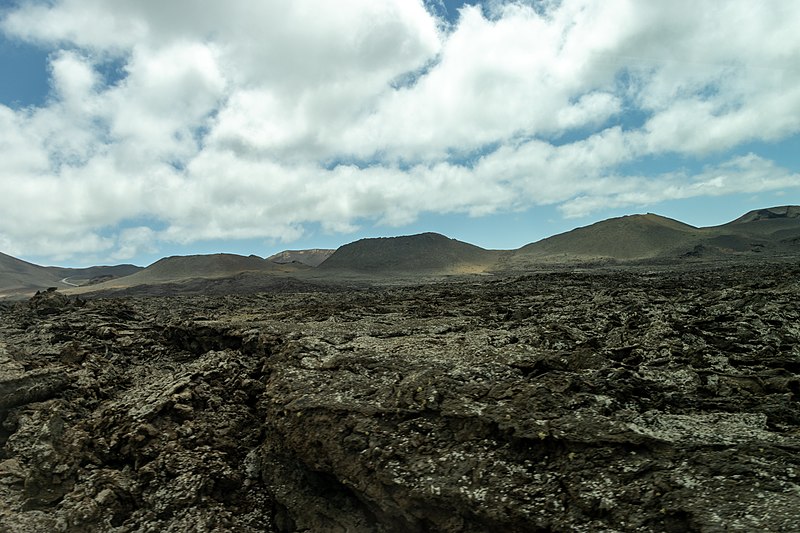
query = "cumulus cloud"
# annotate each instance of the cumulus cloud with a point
(255, 119)
(134, 241)
(746, 174)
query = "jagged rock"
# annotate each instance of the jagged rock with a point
(51, 302)
(19, 386)
(30, 387)
(619, 400)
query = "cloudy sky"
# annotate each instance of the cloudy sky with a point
(134, 129)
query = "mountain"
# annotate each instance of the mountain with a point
(93, 275)
(774, 230)
(778, 224)
(182, 268)
(202, 266)
(313, 257)
(19, 278)
(629, 237)
(761, 220)
(423, 253)
(771, 232)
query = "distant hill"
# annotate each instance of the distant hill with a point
(775, 223)
(241, 283)
(178, 268)
(771, 232)
(95, 274)
(313, 257)
(423, 253)
(766, 219)
(626, 238)
(19, 278)
(202, 266)
(774, 230)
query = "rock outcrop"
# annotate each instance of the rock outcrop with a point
(626, 400)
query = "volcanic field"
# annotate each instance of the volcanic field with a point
(647, 396)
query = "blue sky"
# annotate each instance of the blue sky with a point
(137, 130)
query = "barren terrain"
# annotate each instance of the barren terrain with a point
(627, 400)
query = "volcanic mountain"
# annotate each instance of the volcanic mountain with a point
(94, 274)
(771, 231)
(422, 253)
(778, 224)
(628, 237)
(313, 257)
(774, 230)
(182, 268)
(765, 220)
(18, 277)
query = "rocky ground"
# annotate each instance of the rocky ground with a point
(626, 400)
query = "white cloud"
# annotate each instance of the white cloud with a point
(134, 241)
(85, 23)
(743, 174)
(253, 119)
(74, 79)
(22, 150)
(168, 94)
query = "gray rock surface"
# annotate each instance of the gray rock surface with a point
(627, 400)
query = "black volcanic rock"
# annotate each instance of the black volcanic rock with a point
(51, 302)
(620, 400)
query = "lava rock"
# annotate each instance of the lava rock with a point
(636, 399)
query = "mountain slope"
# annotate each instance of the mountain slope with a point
(766, 218)
(628, 237)
(776, 223)
(178, 268)
(95, 274)
(423, 253)
(18, 276)
(770, 231)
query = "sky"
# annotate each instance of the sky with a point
(136, 129)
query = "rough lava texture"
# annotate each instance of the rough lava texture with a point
(627, 400)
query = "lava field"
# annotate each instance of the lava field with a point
(637, 399)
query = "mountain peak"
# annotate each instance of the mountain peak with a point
(312, 257)
(627, 237)
(769, 213)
